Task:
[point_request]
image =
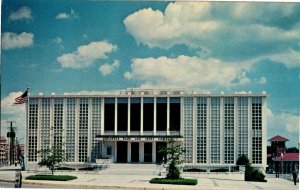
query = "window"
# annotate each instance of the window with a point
(188, 128)
(215, 130)
(108, 151)
(201, 129)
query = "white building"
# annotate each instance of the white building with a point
(130, 125)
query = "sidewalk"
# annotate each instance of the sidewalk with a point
(226, 181)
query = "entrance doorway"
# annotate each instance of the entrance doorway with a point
(122, 152)
(160, 156)
(147, 152)
(135, 147)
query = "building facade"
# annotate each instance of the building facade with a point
(131, 125)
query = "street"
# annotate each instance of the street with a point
(32, 186)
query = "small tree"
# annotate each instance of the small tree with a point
(251, 174)
(292, 150)
(52, 158)
(242, 160)
(173, 158)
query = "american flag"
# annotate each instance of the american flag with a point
(21, 99)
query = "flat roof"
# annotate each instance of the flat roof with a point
(133, 92)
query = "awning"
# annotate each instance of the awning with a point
(149, 138)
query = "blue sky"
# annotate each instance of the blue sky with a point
(93, 46)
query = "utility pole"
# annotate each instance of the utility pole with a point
(11, 134)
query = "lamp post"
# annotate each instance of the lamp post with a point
(281, 156)
(11, 134)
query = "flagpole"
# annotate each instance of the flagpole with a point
(27, 127)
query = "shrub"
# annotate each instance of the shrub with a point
(51, 177)
(180, 181)
(174, 172)
(242, 160)
(252, 174)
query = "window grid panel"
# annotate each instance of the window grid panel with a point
(96, 124)
(256, 108)
(45, 124)
(201, 129)
(229, 130)
(58, 123)
(83, 130)
(70, 129)
(32, 130)
(215, 130)
(242, 119)
(188, 129)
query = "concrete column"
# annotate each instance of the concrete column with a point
(116, 116)
(142, 116)
(250, 129)
(52, 122)
(264, 132)
(102, 117)
(235, 135)
(39, 140)
(168, 115)
(141, 152)
(115, 151)
(128, 118)
(195, 130)
(154, 117)
(181, 116)
(222, 143)
(76, 128)
(89, 148)
(208, 152)
(64, 135)
(128, 151)
(153, 152)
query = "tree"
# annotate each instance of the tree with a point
(251, 174)
(242, 160)
(292, 150)
(174, 152)
(52, 158)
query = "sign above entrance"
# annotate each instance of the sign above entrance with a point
(150, 139)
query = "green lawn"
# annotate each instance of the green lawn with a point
(180, 181)
(51, 177)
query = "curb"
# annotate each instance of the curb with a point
(107, 186)
(7, 181)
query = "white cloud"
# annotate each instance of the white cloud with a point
(20, 14)
(64, 15)
(262, 80)
(187, 72)
(57, 40)
(284, 124)
(217, 28)
(13, 113)
(289, 58)
(107, 69)
(12, 40)
(86, 55)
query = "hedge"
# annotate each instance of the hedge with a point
(51, 177)
(180, 181)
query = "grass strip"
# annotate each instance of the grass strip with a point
(51, 177)
(180, 181)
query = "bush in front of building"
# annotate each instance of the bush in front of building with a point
(180, 181)
(173, 157)
(251, 174)
(51, 177)
(242, 160)
(52, 158)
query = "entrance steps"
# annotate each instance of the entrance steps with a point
(131, 169)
